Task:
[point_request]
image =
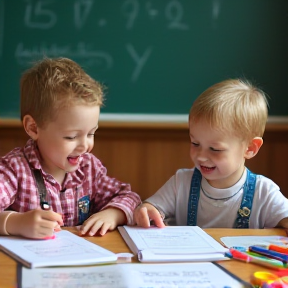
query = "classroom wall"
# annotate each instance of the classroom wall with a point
(147, 155)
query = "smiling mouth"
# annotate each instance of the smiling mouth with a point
(207, 169)
(73, 160)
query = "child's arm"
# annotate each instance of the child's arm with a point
(146, 212)
(35, 224)
(283, 223)
(112, 202)
(115, 208)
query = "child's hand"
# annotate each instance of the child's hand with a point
(146, 212)
(36, 224)
(103, 221)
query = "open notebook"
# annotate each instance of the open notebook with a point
(66, 249)
(172, 244)
(185, 275)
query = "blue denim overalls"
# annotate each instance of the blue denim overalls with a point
(243, 214)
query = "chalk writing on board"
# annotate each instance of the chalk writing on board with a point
(38, 10)
(81, 50)
(140, 61)
(171, 47)
(82, 10)
(215, 9)
(173, 13)
(40, 15)
(85, 52)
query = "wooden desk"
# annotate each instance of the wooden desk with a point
(114, 242)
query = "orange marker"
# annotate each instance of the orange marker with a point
(279, 249)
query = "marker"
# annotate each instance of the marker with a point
(269, 253)
(45, 205)
(240, 248)
(49, 237)
(242, 256)
(279, 249)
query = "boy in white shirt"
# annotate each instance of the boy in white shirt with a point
(226, 125)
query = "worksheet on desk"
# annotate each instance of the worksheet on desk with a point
(172, 243)
(184, 275)
(67, 249)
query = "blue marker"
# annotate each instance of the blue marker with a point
(240, 248)
(269, 253)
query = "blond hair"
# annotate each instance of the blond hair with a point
(53, 84)
(233, 106)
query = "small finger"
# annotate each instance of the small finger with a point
(52, 216)
(84, 228)
(157, 219)
(105, 227)
(95, 228)
(57, 228)
(143, 218)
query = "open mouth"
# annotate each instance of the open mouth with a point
(73, 160)
(207, 169)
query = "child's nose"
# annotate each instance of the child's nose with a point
(83, 145)
(201, 156)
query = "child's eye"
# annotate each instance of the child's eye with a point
(70, 138)
(91, 134)
(215, 150)
(195, 144)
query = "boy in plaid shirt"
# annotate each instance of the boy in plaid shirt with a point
(55, 171)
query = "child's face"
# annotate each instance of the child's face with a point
(62, 142)
(218, 155)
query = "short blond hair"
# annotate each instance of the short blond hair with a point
(52, 84)
(234, 106)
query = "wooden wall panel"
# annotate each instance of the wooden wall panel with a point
(143, 157)
(147, 157)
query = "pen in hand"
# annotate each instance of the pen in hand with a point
(45, 206)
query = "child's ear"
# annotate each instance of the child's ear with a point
(253, 147)
(30, 126)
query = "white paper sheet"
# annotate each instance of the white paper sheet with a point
(246, 241)
(172, 243)
(184, 275)
(66, 249)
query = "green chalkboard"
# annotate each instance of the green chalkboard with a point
(154, 56)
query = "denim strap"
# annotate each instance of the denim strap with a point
(244, 212)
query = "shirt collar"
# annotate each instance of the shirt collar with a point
(227, 192)
(32, 154)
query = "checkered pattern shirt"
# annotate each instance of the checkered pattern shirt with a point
(18, 189)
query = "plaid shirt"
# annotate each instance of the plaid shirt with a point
(18, 189)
